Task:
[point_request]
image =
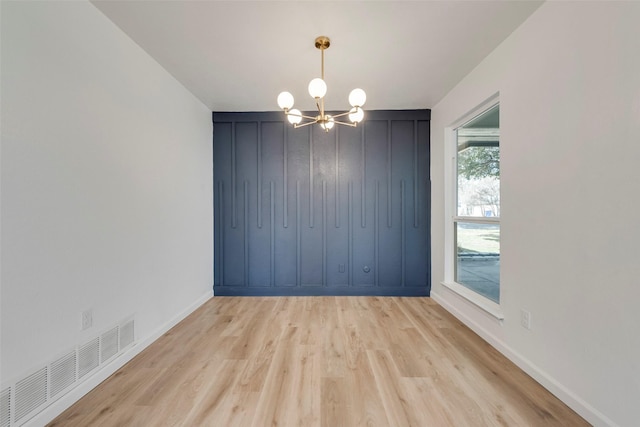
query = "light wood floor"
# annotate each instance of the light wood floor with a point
(327, 361)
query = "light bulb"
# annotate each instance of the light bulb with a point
(328, 123)
(294, 116)
(317, 88)
(356, 114)
(285, 100)
(357, 98)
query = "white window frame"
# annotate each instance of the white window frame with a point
(451, 217)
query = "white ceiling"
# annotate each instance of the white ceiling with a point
(239, 55)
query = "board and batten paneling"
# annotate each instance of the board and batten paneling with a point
(309, 212)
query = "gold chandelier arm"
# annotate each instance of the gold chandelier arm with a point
(301, 115)
(341, 114)
(354, 124)
(301, 125)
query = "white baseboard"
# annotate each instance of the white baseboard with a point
(63, 403)
(570, 398)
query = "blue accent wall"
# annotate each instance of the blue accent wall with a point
(309, 212)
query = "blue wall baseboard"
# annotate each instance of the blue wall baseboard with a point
(241, 291)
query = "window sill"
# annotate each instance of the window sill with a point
(479, 301)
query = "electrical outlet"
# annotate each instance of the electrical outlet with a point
(87, 319)
(525, 319)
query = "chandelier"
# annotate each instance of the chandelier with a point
(317, 90)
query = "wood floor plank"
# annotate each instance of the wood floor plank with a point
(274, 393)
(333, 347)
(304, 396)
(334, 410)
(211, 404)
(397, 402)
(325, 361)
(365, 402)
(186, 395)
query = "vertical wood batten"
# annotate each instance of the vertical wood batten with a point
(285, 180)
(310, 178)
(416, 179)
(376, 235)
(350, 231)
(272, 232)
(221, 232)
(363, 182)
(389, 173)
(324, 233)
(259, 175)
(298, 237)
(246, 233)
(234, 213)
(403, 237)
(337, 144)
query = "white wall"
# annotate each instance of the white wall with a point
(106, 184)
(569, 83)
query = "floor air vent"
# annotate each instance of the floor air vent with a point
(22, 400)
(126, 334)
(88, 357)
(63, 373)
(5, 407)
(108, 344)
(31, 392)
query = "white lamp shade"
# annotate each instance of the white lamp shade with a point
(294, 116)
(317, 88)
(285, 100)
(356, 114)
(357, 98)
(328, 124)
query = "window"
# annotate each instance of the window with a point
(475, 215)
